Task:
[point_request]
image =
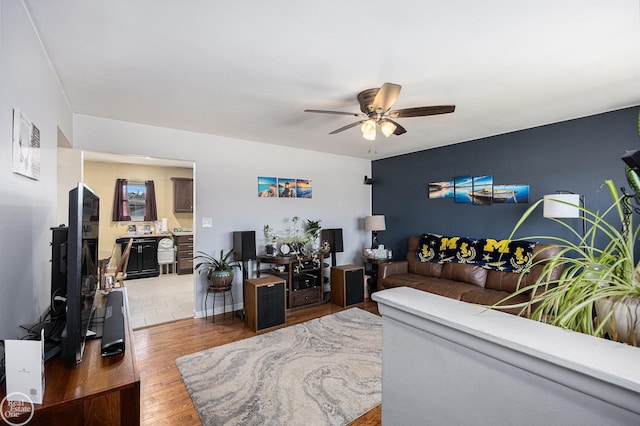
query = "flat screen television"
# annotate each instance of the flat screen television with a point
(82, 270)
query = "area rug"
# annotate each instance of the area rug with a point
(326, 371)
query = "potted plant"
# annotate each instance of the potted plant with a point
(219, 271)
(301, 243)
(593, 275)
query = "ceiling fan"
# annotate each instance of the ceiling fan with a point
(375, 105)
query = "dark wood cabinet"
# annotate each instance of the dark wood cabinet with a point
(143, 258)
(184, 243)
(182, 195)
(304, 278)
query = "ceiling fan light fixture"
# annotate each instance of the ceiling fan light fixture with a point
(387, 128)
(369, 130)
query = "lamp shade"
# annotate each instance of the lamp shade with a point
(555, 207)
(374, 223)
(368, 129)
(387, 127)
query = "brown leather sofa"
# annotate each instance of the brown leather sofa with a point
(465, 282)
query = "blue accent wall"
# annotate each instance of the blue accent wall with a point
(576, 155)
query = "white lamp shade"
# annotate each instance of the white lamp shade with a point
(374, 223)
(387, 128)
(554, 206)
(368, 129)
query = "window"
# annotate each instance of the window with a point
(134, 201)
(137, 195)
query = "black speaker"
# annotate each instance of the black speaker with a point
(244, 245)
(354, 288)
(632, 159)
(334, 237)
(271, 310)
(265, 302)
(347, 285)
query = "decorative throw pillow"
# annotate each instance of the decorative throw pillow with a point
(499, 255)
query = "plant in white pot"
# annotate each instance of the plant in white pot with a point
(219, 271)
(599, 271)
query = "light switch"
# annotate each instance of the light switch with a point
(207, 222)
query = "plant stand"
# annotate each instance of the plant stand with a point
(216, 290)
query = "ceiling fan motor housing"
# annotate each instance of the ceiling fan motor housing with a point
(365, 99)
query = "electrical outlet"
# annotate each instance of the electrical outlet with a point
(207, 222)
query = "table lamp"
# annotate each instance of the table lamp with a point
(374, 223)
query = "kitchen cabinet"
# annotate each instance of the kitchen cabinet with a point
(182, 195)
(184, 243)
(143, 258)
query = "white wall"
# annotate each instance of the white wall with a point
(70, 172)
(27, 207)
(226, 174)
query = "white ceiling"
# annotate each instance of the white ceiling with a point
(247, 69)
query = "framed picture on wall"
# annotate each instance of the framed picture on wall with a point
(286, 188)
(267, 186)
(26, 146)
(303, 188)
(463, 186)
(482, 194)
(511, 194)
(442, 189)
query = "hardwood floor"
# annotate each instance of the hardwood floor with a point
(164, 398)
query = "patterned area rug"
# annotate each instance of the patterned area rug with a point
(326, 371)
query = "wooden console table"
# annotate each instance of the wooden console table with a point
(98, 391)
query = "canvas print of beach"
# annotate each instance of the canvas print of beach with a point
(304, 188)
(511, 194)
(267, 186)
(463, 186)
(443, 189)
(482, 193)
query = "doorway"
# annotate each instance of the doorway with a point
(155, 298)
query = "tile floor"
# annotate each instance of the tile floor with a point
(161, 299)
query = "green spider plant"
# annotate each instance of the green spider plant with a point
(589, 273)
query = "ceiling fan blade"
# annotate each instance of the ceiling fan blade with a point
(422, 111)
(322, 111)
(385, 97)
(399, 129)
(348, 126)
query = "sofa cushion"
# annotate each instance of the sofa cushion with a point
(401, 280)
(488, 297)
(428, 269)
(446, 288)
(471, 274)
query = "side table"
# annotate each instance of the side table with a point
(371, 265)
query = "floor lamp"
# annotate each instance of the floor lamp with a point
(565, 205)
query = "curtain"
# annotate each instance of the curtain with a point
(121, 202)
(150, 208)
